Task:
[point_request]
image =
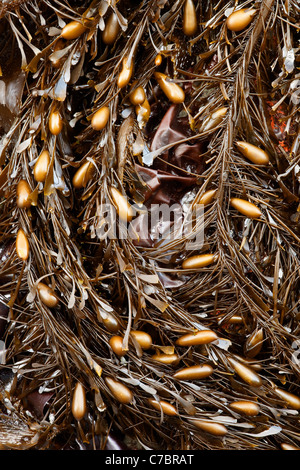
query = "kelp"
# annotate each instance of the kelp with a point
(238, 86)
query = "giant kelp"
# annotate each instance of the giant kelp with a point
(69, 287)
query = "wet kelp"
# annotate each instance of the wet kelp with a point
(132, 105)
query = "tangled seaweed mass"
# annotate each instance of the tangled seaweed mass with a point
(109, 328)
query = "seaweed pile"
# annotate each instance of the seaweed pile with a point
(137, 105)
